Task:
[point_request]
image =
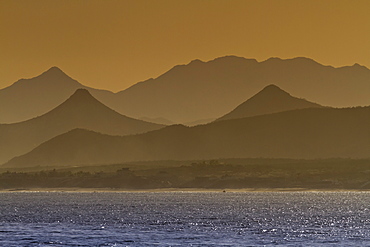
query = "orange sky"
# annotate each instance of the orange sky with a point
(113, 44)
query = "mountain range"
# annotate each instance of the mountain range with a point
(81, 110)
(311, 133)
(198, 90)
(70, 124)
(29, 98)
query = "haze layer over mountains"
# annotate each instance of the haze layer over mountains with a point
(307, 133)
(270, 100)
(83, 129)
(310, 132)
(198, 90)
(80, 110)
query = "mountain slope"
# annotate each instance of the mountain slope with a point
(198, 90)
(28, 98)
(206, 90)
(81, 110)
(271, 99)
(307, 133)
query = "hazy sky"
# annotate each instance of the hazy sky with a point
(113, 44)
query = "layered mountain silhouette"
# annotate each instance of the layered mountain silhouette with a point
(81, 110)
(198, 90)
(29, 98)
(271, 99)
(206, 90)
(306, 133)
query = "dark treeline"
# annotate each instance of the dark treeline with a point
(123, 178)
(327, 174)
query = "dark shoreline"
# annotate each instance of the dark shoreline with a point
(174, 190)
(217, 175)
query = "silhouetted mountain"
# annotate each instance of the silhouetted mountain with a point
(81, 110)
(205, 90)
(306, 133)
(198, 90)
(270, 100)
(28, 98)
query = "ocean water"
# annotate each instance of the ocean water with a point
(185, 219)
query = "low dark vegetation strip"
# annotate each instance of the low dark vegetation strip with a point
(334, 174)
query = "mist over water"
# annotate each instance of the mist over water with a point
(185, 219)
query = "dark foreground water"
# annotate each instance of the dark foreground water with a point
(185, 219)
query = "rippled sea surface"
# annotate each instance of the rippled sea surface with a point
(185, 219)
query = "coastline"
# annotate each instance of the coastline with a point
(180, 190)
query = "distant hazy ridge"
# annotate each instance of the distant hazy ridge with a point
(198, 90)
(306, 133)
(80, 110)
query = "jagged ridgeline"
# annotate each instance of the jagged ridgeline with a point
(267, 122)
(196, 91)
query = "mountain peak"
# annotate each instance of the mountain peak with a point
(54, 71)
(301, 61)
(81, 91)
(196, 61)
(54, 74)
(80, 98)
(81, 94)
(356, 65)
(272, 89)
(273, 59)
(234, 59)
(270, 99)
